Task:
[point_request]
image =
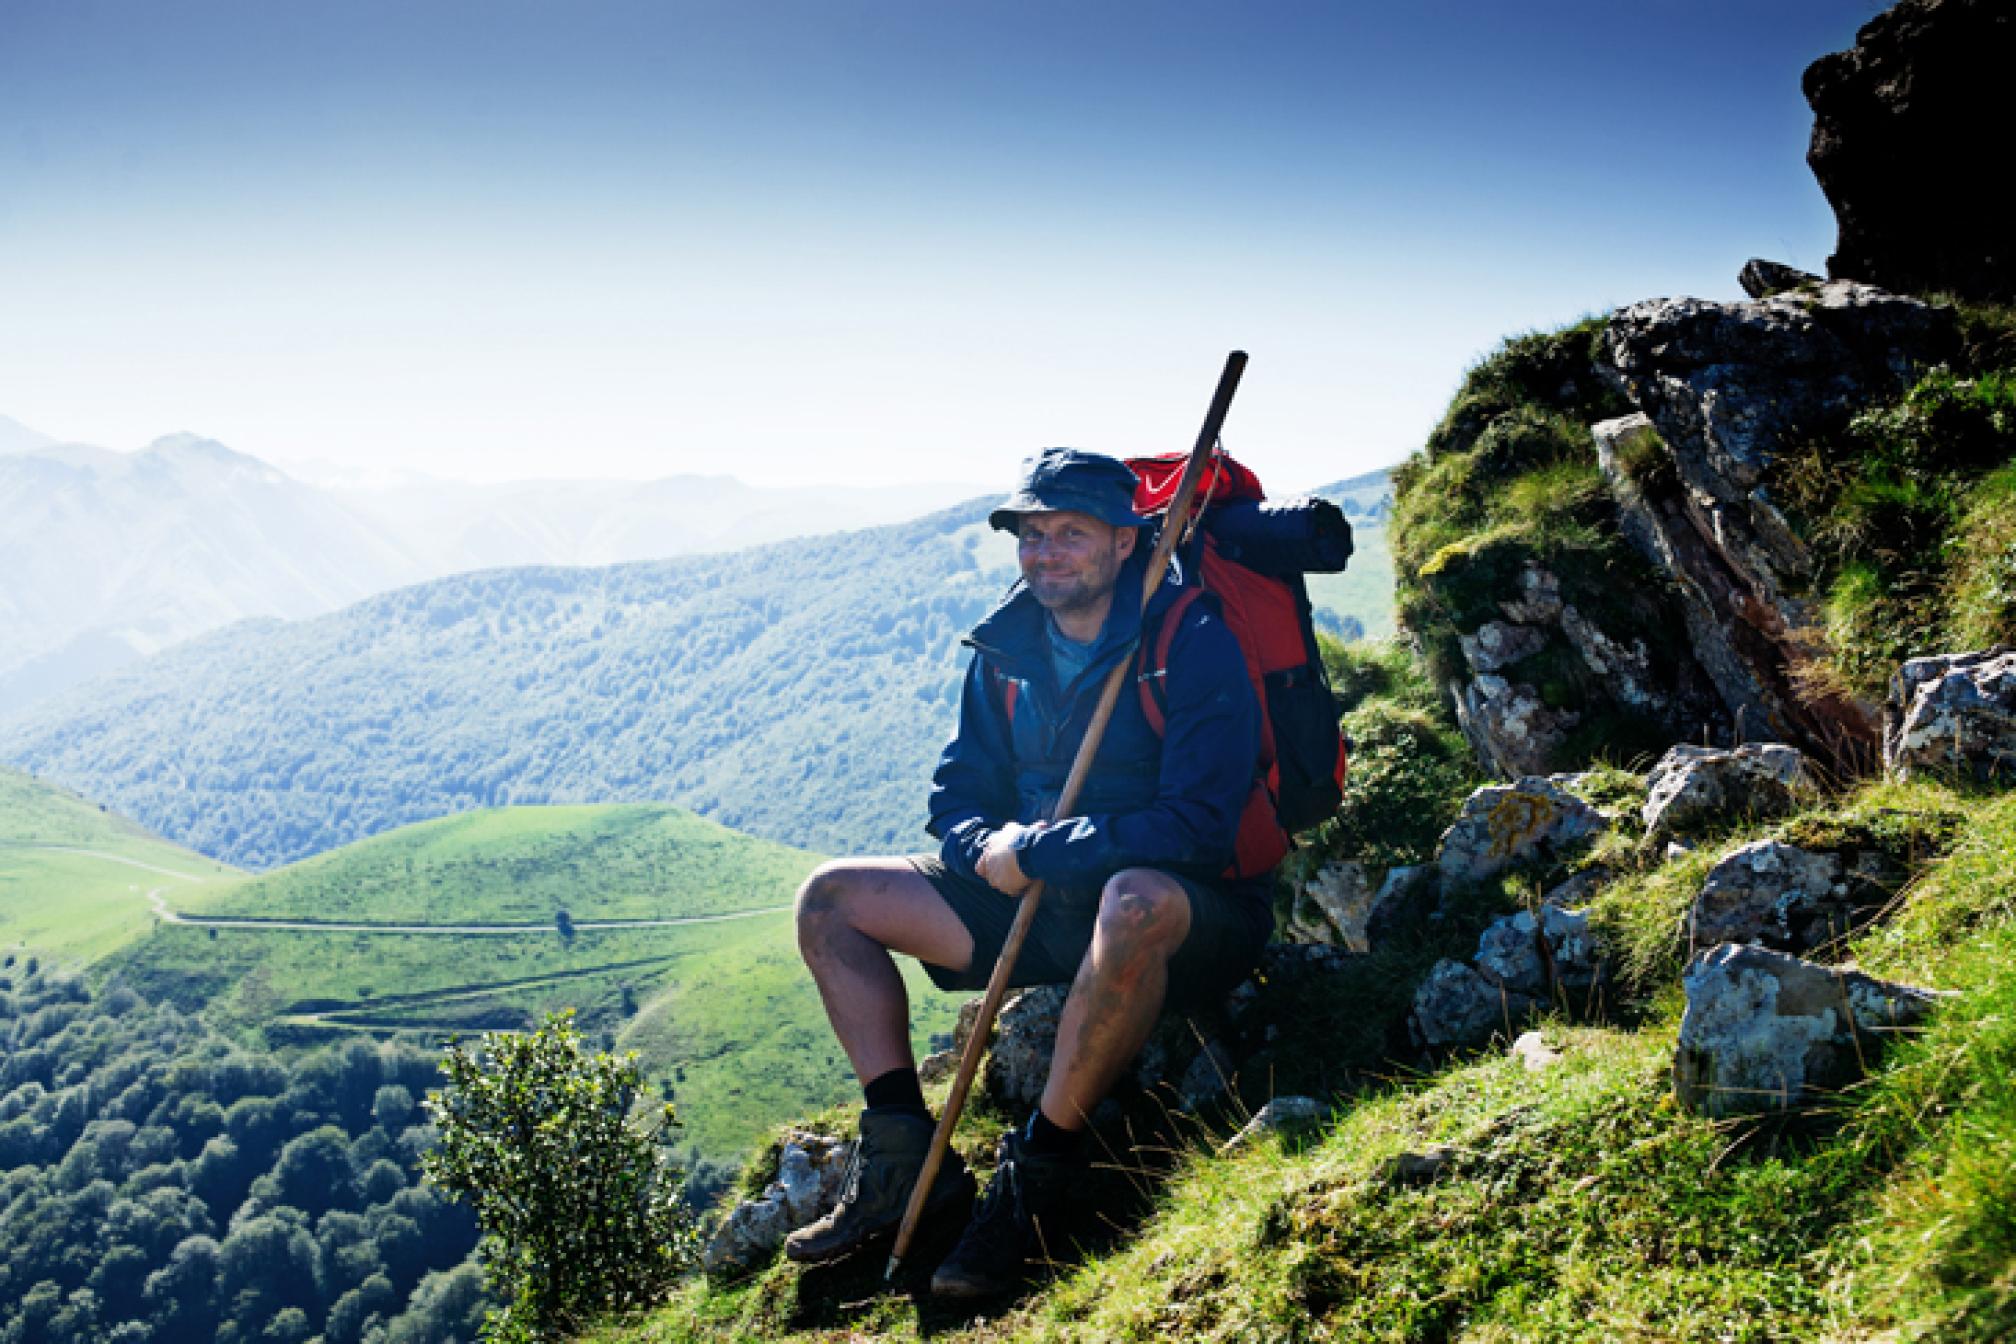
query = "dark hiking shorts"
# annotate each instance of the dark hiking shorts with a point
(1229, 925)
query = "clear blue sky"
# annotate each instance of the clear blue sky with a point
(823, 239)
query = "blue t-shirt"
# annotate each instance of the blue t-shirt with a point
(1068, 657)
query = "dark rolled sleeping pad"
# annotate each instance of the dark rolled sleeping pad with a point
(1282, 537)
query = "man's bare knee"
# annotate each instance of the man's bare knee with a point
(821, 906)
(1142, 914)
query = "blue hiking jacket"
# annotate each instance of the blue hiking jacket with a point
(1170, 802)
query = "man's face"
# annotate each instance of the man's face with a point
(1069, 559)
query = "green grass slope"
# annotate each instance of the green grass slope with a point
(74, 878)
(524, 865)
(720, 1009)
(1580, 1204)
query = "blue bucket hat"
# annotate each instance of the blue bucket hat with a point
(1057, 479)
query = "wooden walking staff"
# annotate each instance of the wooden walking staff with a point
(1081, 765)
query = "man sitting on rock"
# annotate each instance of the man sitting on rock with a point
(1135, 914)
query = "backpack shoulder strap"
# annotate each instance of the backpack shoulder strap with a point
(1155, 645)
(1010, 690)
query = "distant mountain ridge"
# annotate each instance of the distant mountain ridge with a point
(799, 691)
(110, 556)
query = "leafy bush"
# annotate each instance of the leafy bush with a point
(580, 1209)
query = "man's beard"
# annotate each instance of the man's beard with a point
(1083, 592)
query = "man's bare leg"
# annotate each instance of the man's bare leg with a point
(1144, 916)
(851, 915)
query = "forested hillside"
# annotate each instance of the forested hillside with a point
(161, 1184)
(799, 692)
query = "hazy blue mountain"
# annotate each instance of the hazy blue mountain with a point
(109, 556)
(1366, 496)
(799, 691)
(16, 437)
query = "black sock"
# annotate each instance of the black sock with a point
(1045, 1138)
(897, 1090)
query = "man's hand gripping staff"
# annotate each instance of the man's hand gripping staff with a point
(999, 865)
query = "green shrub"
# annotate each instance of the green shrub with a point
(1409, 774)
(580, 1210)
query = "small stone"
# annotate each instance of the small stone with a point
(1533, 955)
(937, 1068)
(1279, 1114)
(1334, 907)
(1420, 1168)
(1578, 889)
(748, 1237)
(1953, 715)
(1456, 1006)
(1531, 1049)
(1774, 894)
(1209, 1077)
(1761, 279)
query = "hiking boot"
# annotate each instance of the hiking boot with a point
(1011, 1223)
(877, 1188)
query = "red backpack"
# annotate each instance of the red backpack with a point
(1251, 554)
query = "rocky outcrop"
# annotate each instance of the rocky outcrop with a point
(1501, 825)
(1693, 789)
(1791, 899)
(1907, 125)
(1765, 1031)
(811, 1169)
(1953, 715)
(1505, 711)
(1728, 389)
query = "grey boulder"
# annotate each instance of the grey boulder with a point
(1501, 825)
(1692, 789)
(1784, 897)
(1953, 715)
(1765, 1031)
